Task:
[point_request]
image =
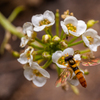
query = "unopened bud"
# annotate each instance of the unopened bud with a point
(90, 23)
(56, 39)
(46, 38)
(86, 72)
(15, 53)
(46, 55)
(63, 44)
(57, 13)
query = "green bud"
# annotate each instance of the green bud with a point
(90, 23)
(15, 53)
(86, 72)
(57, 13)
(46, 55)
(56, 39)
(63, 44)
(46, 38)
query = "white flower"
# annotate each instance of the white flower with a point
(41, 21)
(26, 57)
(36, 74)
(28, 32)
(58, 57)
(73, 26)
(91, 39)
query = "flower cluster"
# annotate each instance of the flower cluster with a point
(55, 48)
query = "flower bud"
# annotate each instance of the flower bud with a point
(15, 53)
(86, 72)
(56, 39)
(90, 23)
(46, 38)
(63, 44)
(46, 55)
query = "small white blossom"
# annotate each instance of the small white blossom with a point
(91, 39)
(58, 57)
(41, 21)
(26, 57)
(36, 74)
(28, 32)
(73, 26)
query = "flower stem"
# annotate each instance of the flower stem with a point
(38, 52)
(9, 27)
(72, 40)
(37, 57)
(62, 33)
(13, 15)
(48, 32)
(47, 63)
(58, 70)
(69, 45)
(85, 51)
(57, 22)
(15, 12)
(38, 40)
(35, 46)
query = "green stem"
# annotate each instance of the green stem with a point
(35, 46)
(15, 12)
(57, 22)
(47, 63)
(5, 40)
(38, 52)
(58, 70)
(7, 35)
(38, 40)
(48, 32)
(37, 57)
(62, 33)
(9, 27)
(72, 40)
(85, 51)
(69, 45)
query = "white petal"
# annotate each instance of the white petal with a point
(28, 73)
(61, 66)
(36, 19)
(39, 28)
(35, 65)
(56, 56)
(90, 32)
(23, 59)
(39, 81)
(64, 27)
(85, 40)
(24, 41)
(71, 20)
(73, 80)
(29, 33)
(77, 57)
(49, 15)
(44, 72)
(68, 51)
(81, 27)
(27, 26)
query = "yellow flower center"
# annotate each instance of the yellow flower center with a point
(44, 22)
(71, 27)
(37, 73)
(62, 60)
(90, 39)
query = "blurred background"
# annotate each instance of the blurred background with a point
(13, 85)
